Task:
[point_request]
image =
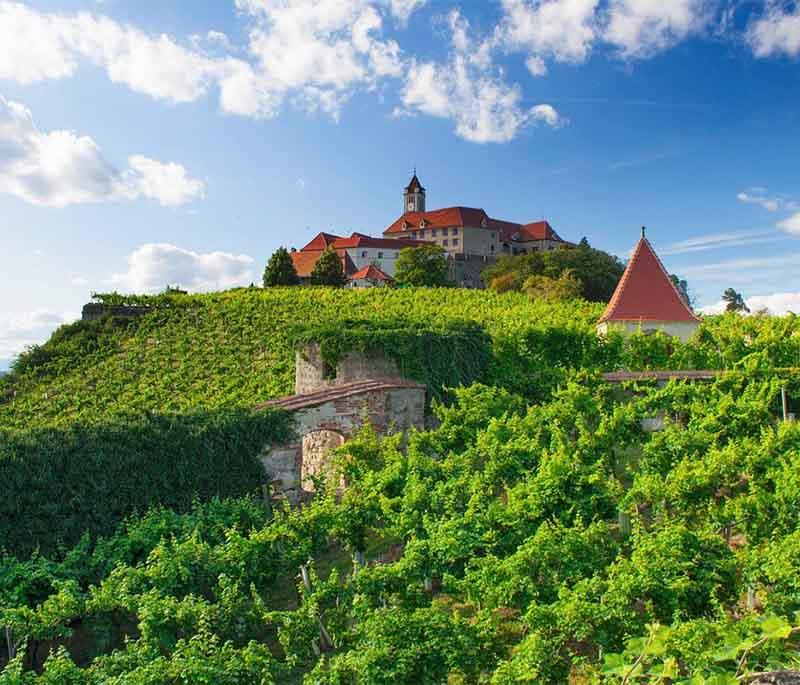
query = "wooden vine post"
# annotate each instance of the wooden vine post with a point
(785, 403)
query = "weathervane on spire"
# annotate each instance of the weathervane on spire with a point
(643, 230)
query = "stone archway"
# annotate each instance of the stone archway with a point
(314, 464)
(333, 416)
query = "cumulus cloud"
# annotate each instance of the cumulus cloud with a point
(18, 333)
(560, 29)
(168, 184)
(38, 46)
(776, 32)
(641, 27)
(60, 168)
(153, 266)
(470, 90)
(777, 304)
(791, 225)
(403, 9)
(317, 53)
(548, 115)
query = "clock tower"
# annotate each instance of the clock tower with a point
(414, 196)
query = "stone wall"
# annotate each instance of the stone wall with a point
(465, 270)
(96, 310)
(312, 376)
(388, 410)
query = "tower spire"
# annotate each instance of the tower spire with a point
(414, 195)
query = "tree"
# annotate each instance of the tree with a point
(422, 266)
(682, 286)
(734, 302)
(598, 272)
(565, 287)
(280, 269)
(328, 270)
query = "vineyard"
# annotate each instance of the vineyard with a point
(541, 533)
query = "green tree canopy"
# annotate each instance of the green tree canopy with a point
(280, 269)
(565, 287)
(734, 301)
(598, 272)
(422, 266)
(328, 270)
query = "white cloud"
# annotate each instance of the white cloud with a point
(757, 196)
(152, 267)
(60, 168)
(17, 333)
(776, 32)
(791, 225)
(403, 9)
(470, 90)
(169, 184)
(561, 29)
(548, 115)
(640, 28)
(37, 46)
(777, 304)
(316, 52)
(536, 65)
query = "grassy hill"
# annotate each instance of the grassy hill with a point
(539, 534)
(236, 349)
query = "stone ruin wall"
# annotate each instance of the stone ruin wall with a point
(312, 376)
(329, 424)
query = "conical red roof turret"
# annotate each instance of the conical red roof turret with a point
(646, 292)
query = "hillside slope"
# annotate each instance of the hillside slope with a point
(237, 348)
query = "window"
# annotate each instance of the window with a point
(454, 231)
(491, 247)
(433, 232)
(445, 242)
(380, 255)
(364, 253)
(455, 242)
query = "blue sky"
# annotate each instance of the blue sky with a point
(166, 141)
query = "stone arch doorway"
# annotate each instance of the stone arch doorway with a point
(316, 448)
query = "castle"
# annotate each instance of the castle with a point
(469, 236)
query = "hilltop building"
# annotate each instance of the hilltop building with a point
(469, 235)
(366, 260)
(646, 299)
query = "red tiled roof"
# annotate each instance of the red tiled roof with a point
(439, 218)
(361, 240)
(646, 292)
(538, 230)
(305, 260)
(473, 218)
(321, 241)
(371, 273)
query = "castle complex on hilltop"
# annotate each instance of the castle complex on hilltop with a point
(469, 236)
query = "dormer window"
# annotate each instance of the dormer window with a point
(483, 222)
(423, 223)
